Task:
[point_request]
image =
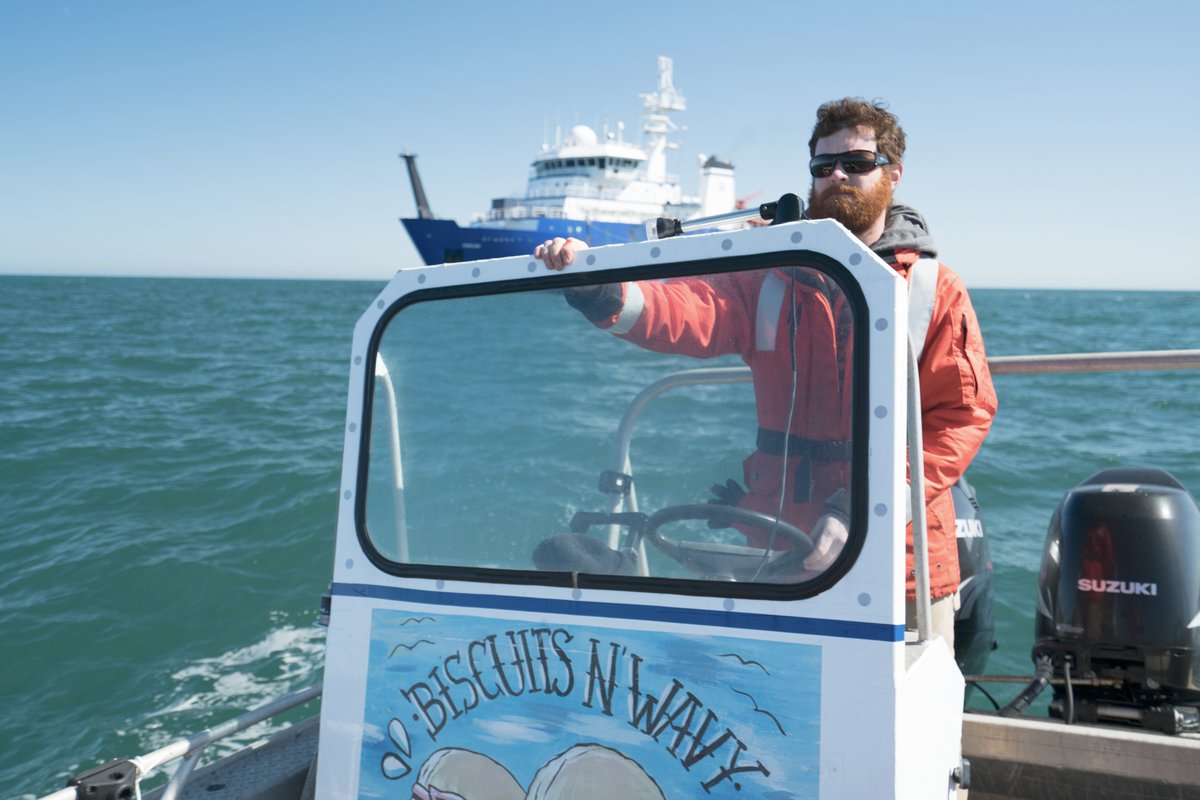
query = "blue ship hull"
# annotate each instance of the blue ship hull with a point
(442, 241)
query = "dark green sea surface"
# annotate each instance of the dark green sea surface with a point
(169, 462)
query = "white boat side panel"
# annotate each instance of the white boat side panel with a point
(342, 731)
(752, 708)
(929, 722)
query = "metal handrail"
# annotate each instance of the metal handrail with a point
(398, 509)
(193, 746)
(691, 377)
(1132, 361)
(620, 460)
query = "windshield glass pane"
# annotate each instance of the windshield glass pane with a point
(496, 436)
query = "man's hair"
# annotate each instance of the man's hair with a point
(854, 112)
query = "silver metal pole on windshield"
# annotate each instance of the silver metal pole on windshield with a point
(381, 372)
(916, 470)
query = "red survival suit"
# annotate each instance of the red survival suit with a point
(769, 317)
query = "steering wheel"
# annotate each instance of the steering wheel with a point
(728, 561)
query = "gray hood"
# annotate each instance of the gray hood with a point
(905, 229)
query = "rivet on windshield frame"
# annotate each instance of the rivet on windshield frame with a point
(881, 324)
(532, 266)
(881, 411)
(420, 279)
(379, 304)
(797, 236)
(357, 360)
(576, 594)
(347, 494)
(857, 257)
(475, 272)
(729, 604)
(591, 259)
(349, 563)
(655, 252)
(353, 427)
(864, 599)
(726, 244)
(881, 510)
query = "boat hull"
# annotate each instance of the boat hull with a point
(1011, 759)
(443, 241)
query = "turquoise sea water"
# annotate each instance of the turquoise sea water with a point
(169, 460)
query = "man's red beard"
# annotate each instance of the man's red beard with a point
(855, 209)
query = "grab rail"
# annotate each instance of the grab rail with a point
(1131, 361)
(620, 462)
(192, 747)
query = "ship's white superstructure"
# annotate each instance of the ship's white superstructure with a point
(594, 186)
(603, 178)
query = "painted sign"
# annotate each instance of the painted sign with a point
(462, 707)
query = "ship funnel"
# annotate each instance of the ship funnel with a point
(717, 193)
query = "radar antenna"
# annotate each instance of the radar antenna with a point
(657, 125)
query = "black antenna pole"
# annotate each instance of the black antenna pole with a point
(787, 208)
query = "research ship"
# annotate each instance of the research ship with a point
(594, 186)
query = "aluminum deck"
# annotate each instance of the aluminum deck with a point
(1040, 759)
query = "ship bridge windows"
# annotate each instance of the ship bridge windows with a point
(570, 166)
(491, 416)
(618, 164)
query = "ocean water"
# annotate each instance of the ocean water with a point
(169, 462)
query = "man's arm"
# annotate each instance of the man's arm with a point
(700, 317)
(958, 400)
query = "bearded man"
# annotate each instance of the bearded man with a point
(794, 322)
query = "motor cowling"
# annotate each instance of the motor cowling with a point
(1119, 596)
(975, 620)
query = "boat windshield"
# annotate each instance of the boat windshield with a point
(496, 447)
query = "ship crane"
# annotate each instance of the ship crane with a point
(423, 210)
(741, 204)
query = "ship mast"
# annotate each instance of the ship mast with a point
(657, 125)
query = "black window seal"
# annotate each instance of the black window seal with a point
(859, 427)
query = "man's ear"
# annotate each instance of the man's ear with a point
(895, 172)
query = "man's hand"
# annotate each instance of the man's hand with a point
(829, 536)
(728, 495)
(558, 254)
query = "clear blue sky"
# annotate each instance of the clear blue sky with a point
(1050, 144)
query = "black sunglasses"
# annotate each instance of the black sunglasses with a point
(854, 162)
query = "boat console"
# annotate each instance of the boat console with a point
(504, 624)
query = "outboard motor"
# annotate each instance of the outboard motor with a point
(975, 621)
(1118, 611)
